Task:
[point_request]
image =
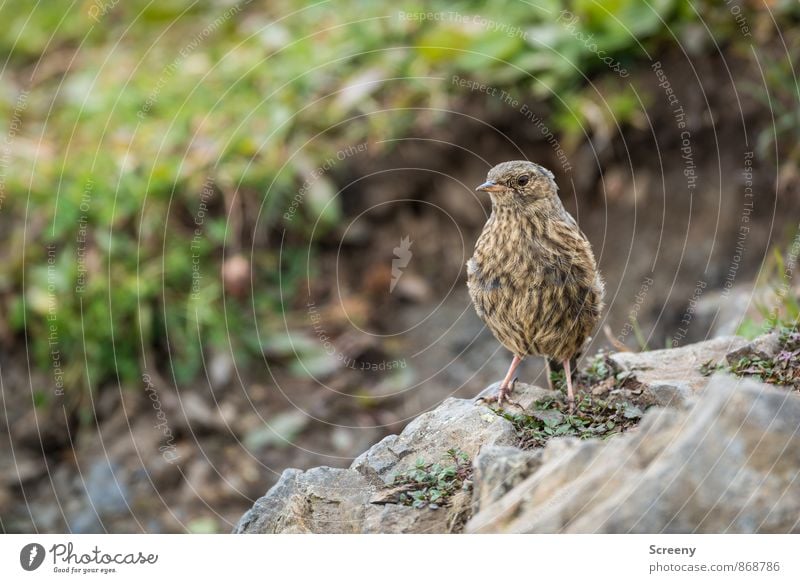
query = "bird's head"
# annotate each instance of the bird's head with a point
(519, 183)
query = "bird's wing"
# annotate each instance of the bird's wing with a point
(484, 289)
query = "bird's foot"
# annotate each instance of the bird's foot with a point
(502, 396)
(571, 404)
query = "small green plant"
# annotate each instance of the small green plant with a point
(602, 370)
(558, 380)
(782, 369)
(599, 368)
(431, 485)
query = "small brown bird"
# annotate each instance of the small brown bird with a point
(533, 278)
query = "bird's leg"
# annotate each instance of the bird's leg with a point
(570, 394)
(549, 374)
(506, 386)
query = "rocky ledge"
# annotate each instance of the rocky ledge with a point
(681, 440)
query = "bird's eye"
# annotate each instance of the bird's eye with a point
(523, 180)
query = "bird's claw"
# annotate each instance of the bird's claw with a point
(499, 401)
(502, 396)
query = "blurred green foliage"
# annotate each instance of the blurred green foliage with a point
(780, 308)
(133, 109)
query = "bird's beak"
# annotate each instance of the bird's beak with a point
(489, 186)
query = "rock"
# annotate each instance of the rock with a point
(405, 519)
(456, 423)
(563, 459)
(671, 393)
(764, 347)
(200, 415)
(719, 313)
(394, 518)
(320, 500)
(104, 489)
(678, 367)
(106, 494)
(337, 500)
(328, 500)
(499, 469)
(730, 463)
(524, 395)
(726, 459)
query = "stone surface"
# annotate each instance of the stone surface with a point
(498, 469)
(320, 500)
(394, 518)
(337, 500)
(764, 347)
(721, 312)
(457, 423)
(731, 463)
(677, 366)
(670, 393)
(717, 455)
(524, 395)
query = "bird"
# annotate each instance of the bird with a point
(533, 279)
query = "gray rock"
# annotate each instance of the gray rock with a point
(726, 460)
(730, 463)
(320, 500)
(338, 500)
(394, 518)
(666, 394)
(456, 423)
(106, 493)
(498, 469)
(720, 313)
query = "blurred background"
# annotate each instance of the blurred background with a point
(233, 234)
